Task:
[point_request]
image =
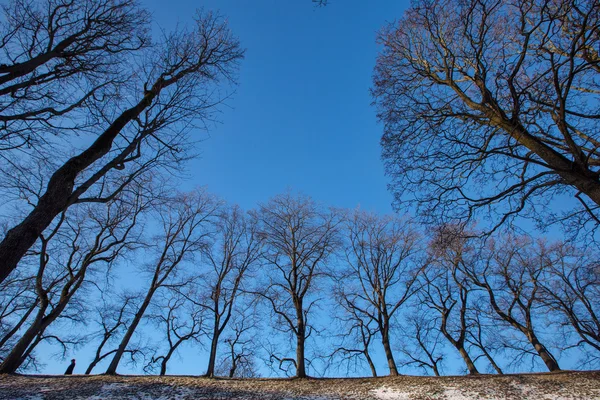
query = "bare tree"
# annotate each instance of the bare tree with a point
(421, 342)
(172, 90)
(490, 109)
(77, 244)
(381, 273)
(229, 259)
(447, 291)
(113, 320)
(572, 288)
(450, 298)
(482, 335)
(181, 320)
(299, 239)
(511, 273)
(240, 359)
(357, 333)
(185, 224)
(58, 57)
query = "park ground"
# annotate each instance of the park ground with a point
(549, 386)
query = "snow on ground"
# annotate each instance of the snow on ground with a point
(390, 394)
(446, 394)
(516, 390)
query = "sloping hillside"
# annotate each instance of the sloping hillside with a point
(556, 386)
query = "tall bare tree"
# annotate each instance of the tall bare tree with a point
(113, 320)
(572, 288)
(172, 90)
(511, 272)
(422, 342)
(381, 275)
(182, 321)
(236, 249)
(299, 238)
(449, 292)
(185, 225)
(449, 295)
(97, 235)
(489, 109)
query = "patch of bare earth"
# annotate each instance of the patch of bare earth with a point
(549, 386)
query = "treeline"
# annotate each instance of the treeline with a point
(276, 283)
(96, 123)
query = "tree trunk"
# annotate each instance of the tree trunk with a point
(300, 364)
(14, 359)
(492, 361)
(468, 361)
(545, 355)
(300, 338)
(528, 331)
(95, 362)
(371, 365)
(233, 368)
(574, 174)
(165, 360)
(112, 368)
(59, 192)
(98, 357)
(459, 345)
(385, 340)
(210, 370)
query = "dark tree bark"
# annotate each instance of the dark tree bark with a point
(447, 291)
(110, 237)
(191, 62)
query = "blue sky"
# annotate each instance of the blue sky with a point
(301, 116)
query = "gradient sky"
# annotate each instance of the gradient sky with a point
(301, 117)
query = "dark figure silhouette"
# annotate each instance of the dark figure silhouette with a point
(70, 368)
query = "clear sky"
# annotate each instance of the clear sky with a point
(301, 116)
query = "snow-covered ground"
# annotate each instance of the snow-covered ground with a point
(555, 386)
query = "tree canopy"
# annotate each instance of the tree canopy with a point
(490, 109)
